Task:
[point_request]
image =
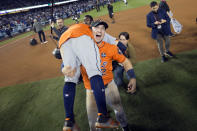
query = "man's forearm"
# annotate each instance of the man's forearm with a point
(127, 64)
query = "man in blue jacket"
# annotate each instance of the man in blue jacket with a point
(158, 20)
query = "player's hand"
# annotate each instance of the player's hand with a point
(52, 24)
(163, 21)
(68, 71)
(157, 23)
(132, 86)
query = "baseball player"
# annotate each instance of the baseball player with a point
(108, 53)
(88, 19)
(77, 46)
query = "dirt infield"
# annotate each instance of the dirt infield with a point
(21, 62)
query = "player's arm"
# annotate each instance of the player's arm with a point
(130, 71)
(119, 57)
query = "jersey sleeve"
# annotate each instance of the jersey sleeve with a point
(117, 55)
(109, 39)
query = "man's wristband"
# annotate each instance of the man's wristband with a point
(131, 73)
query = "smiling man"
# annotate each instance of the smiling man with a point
(108, 53)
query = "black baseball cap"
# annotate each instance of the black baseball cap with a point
(99, 22)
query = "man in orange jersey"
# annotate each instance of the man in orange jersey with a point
(88, 19)
(77, 47)
(108, 53)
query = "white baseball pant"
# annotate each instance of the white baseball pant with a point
(112, 99)
(81, 50)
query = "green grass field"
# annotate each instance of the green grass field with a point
(166, 100)
(118, 6)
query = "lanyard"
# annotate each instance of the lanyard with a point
(156, 17)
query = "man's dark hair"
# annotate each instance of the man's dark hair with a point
(153, 3)
(58, 18)
(125, 34)
(90, 17)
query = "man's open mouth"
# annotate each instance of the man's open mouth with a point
(98, 36)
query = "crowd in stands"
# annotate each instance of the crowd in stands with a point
(12, 4)
(13, 24)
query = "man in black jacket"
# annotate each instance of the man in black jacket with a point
(163, 5)
(61, 28)
(111, 12)
(58, 31)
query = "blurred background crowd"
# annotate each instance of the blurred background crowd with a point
(16, 23)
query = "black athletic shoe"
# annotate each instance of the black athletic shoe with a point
(70, 125)
(164, 59)
(126, 128)
(106, 122)
(169, 54)
(172, 35)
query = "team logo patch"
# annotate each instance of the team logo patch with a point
(104, 63)
(103, 71)
(103, 55)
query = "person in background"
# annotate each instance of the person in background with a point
(97, 5)
(158, 20)
(111, 12)
(125, 1)
(88, 19)
(8, 30)
(61, 28)
(38, 28)
(118, 68)
(163, 5)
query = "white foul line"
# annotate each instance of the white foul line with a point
(13, 42)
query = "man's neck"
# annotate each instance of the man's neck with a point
(61, 27)
(99, 43)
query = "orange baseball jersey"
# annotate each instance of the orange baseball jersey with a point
(75, 31)
(108, 53)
